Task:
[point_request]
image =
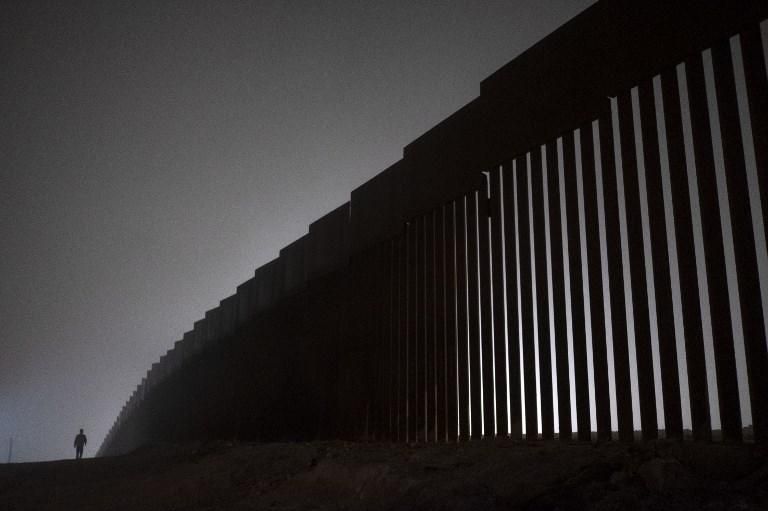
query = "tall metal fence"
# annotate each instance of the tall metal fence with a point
(578, 252)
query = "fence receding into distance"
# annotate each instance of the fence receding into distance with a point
(577, 252)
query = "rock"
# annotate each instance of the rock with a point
(669, 449)
(722, 461)
(663, 475)
(618, 478)
(622, 500)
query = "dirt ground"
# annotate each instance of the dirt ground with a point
(488, 474)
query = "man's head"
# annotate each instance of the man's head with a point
(81, 430)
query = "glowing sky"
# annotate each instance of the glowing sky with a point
(155, 153)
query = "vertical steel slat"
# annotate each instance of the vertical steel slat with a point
(484, 251)
(558, 294)
(420, 337)
(412, 344)
(402, 335)
(440, 327)
(720, 314)
(430, 424)
(613, 242)
(462, 322)
(637, 269)
(475, 375)
(392, 331)
(689, 281)
(665, 321)
(757, 96)
(578, 318)
(538, 203)
(513, 343)
(451, 330)
(497, 285)
(752, 320)
(526, 302)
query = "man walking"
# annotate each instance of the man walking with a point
(80, 441)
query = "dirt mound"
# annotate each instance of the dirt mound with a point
(485, 474)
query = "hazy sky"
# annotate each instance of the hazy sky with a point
(153, 154)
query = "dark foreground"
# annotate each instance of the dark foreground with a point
(370, 476)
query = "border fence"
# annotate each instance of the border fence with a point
(576, 253)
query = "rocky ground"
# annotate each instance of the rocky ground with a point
(489, 474)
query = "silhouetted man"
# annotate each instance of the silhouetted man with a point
(80, 441)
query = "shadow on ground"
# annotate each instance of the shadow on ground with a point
(376, 476)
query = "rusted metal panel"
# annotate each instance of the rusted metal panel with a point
(327, 247)
(229, 307)
(292, 258)
(245, 301)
